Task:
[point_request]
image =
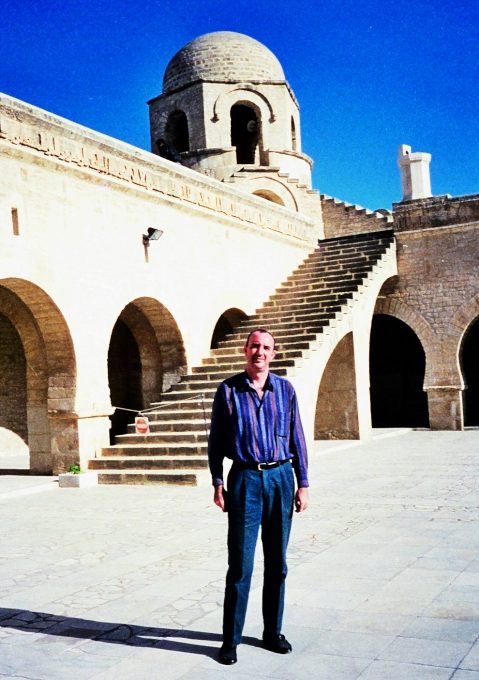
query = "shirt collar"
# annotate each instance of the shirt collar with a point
(247, 384)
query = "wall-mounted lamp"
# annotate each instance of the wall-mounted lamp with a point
(153, 235)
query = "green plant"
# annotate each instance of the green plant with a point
(74, 469)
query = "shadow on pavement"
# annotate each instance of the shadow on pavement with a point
(114, 633)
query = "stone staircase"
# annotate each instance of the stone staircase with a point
(322, 289)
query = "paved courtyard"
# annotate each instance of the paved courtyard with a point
(127, 582)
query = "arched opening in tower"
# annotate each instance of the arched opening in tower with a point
(470, 368)
(397, 365)
(245, 133)
(176, 131)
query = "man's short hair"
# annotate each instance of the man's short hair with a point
(260, 330)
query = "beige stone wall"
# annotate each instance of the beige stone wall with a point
(74, 258)
(437, 295)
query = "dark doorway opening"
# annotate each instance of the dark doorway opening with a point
(176, 131)
(124, 376)
(226, 325)
(470, 367)
(13, 380)
(397, 365)
(244, 133)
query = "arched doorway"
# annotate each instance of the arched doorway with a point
(145, 358)
(470, 368)
(37, 377)
(124, 378)
(397, 365)
(245, 132)
(226, 325)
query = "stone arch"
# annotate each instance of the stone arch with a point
(461, 324)
(397, 367)
(418, 325)
(177, 131)
(226, 324)
(242, 92)
(148, 332)
(271, 190)
(47, 421)
(336, 415)
(269, 195)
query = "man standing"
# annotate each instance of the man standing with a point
(255, 422)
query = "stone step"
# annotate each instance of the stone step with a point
(144, 450)
(239, 357)
(160, 436)
(176, 477)
(320, 306)
(173, 405)
(171, 424)
(220, 373)
(183, 391)
(230, 347)
(298, 319)
(235, 362)
(323, 300)
(319, 286)
(148, 463)
(331, 275)
(286, 336)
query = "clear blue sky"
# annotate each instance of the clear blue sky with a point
(369, 75)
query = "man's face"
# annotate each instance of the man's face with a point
(259, 351)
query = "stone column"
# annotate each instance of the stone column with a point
(445, 407)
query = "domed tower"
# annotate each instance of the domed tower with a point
(227, 110)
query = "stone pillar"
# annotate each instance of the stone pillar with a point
(415, 178)
(77, 437)
(337, 408)
(445, 407)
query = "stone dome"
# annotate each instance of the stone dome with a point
(224, 57)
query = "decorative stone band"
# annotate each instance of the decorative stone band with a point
(72, 144)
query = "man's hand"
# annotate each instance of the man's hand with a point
(219, 497)
(301, 499)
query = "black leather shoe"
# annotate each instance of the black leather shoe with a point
(277, 643)
(227, 655)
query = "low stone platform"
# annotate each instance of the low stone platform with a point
(114, 583)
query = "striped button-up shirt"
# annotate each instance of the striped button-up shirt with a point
(249, 429)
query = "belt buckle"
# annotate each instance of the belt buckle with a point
(266, 466)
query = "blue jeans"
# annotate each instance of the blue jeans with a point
(257, 498)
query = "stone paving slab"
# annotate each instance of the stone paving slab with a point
(113, 583)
